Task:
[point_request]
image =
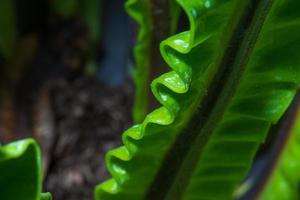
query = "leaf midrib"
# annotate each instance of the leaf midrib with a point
(184, 154)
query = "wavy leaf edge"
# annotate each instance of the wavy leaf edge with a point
(179, 83)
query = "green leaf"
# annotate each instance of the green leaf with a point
(235, 72)
(7, 28)
(20, 168)
(154, 27)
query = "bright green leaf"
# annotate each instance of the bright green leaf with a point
(21, 173)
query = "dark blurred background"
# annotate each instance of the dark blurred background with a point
(65, 81)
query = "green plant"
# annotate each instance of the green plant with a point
(235, 73)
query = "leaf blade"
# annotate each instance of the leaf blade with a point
(148, 144)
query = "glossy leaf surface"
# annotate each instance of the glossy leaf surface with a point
(20, 172)
(235, 72)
